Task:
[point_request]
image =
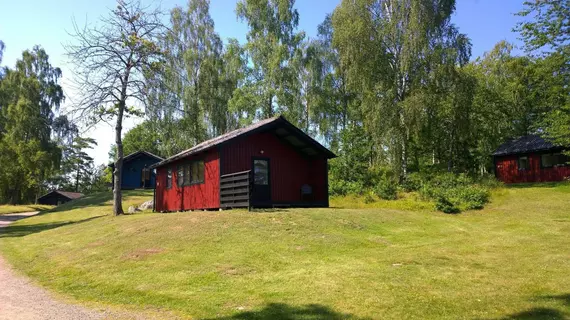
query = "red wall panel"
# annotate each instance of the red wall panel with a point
(507, 170)
(289, 170)
(198, 196)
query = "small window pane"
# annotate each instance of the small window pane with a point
(547, 160)
(187, 174)
(523, 163)
(201, 171)
(198, 172)
(180, 176)
(260, 172)
(561, 159)
(169, 178)
(194, 172)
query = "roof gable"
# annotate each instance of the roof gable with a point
(136, 155)
(525, 144)
(69, 195)
(284, 129)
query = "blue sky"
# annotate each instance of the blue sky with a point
(24, 24)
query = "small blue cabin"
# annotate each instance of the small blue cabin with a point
(136, 170)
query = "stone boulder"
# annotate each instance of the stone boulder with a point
(147, 205)
(133, 209)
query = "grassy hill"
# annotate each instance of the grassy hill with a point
(510, 260)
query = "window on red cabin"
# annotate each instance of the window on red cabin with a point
(197, 172)
(168, 178)
(261, 172)
(550, 160)
(523, 163)
(187, 174)
(180, 175)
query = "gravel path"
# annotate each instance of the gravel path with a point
(21, 299)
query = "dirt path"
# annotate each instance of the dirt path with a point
(21, 299)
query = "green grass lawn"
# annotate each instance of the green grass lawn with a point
(508, 261)
(23, 208)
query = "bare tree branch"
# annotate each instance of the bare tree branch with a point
(110, 59)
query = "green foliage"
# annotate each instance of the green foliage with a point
(29, 95)
(451, 191)
(545, 31)
(549, 26)
(273, 47)
(412, 182)
(339, 187)
(369, 198)
(445, 206)
(386, 189)
(144, 138)
(402, 57)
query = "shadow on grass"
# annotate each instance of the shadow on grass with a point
(542, 312)
(537, 313)
(537, 185)
(563, 297)
(281, 311)
(12, 231)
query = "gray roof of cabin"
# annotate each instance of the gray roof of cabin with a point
(525, 144)
(309, 142)
(67, 194)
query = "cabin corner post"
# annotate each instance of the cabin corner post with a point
(154, 198)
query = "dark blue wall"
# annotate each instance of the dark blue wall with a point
(132, 172)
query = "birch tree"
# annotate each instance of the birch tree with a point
(391, 50)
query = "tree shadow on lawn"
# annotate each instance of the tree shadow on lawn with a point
(12, 231)
(282, 311)
(565, 297)
(537, 185)
(542, 312)
(537, 313)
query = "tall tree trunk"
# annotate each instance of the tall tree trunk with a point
(77, 180)
(117, 194)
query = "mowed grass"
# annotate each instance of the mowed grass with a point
(508, 261)
(23, 208)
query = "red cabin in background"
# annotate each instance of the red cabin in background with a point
(530, 159)
(270, 163)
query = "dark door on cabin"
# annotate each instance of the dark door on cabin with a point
(261, 189)
(145, 178)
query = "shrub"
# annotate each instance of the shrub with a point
(452, 191)
(413, 182)
(369, 198)
(386, 189)
(444, 205)
(474, 197)
(342, 188)
(489, 181)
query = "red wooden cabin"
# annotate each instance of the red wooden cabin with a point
(530, 159)
(270, 163)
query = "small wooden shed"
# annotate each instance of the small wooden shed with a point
(137, 172)
(530, 159)
(270, 163)
(57, 197)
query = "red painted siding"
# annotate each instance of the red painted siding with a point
(198, 196)
(507, 170)
(289, 170)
